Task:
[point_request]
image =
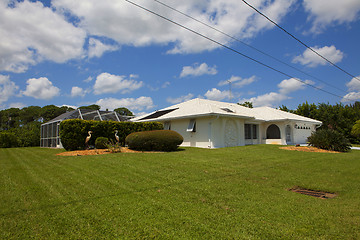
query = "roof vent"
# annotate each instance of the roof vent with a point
(158, 114)
(227, 110)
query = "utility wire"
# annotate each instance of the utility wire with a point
(301, 42)
(231, 49)
(248, 45)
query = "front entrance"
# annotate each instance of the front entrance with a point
(273, 132)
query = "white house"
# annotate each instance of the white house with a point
(212, 124)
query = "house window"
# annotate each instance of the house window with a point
(251, 131)
(247, 131)
(167, 126)
(192, 126)
(254, 132)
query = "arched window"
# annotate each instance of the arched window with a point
(273, 132)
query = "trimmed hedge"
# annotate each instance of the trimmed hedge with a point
(73, 132)
(159, 140)
(329, 139)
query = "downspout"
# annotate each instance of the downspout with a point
(210, 130)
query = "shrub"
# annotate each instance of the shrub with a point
(101, 143)
(73, 132)
(8, 140)
(329, 139)
(158, 140)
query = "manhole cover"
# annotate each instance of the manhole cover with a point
(313, 193)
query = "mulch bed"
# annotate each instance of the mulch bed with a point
(307, 149)
(97, 152)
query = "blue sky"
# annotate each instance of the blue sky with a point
(114, 54)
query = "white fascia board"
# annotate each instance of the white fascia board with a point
(196, 116)
(294, 120)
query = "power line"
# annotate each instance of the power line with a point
(301, 42)
(231, 49)
(248, 45)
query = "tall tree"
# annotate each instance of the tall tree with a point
(29, 114)
(307, 110)
(285, 109)
(51, 111)
(91, 107)
(123, 111)
(246, 104)
(355, 131)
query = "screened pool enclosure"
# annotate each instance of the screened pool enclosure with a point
(50, 131)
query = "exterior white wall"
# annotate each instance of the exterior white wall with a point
(211, 132)
(218, 132)
(199, 138)
(302, 131)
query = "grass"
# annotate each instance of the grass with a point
(230, 193)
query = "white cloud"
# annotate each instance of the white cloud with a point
(31, 33)
(17, 105)
(69, 106)
(354, 84)
(29, 39)
(354, 91)
(292, 85)
(7, 88)
(237, 81)
(97, 48)
(41, 88)
(216, 94)
(89, 79)
(180, 99)
(129, 25)
(327, 12)
(166, 84)
(198, 70)
(77, 92)
(311, 59)
(133, 104)
(268, 99)
(286, 87)
(108, 83)
(351, 96)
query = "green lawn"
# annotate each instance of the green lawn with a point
(230, 193)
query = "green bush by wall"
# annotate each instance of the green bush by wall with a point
(73, 132)
(159, 140)
(329, 139)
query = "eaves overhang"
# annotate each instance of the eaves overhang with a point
(165, 119)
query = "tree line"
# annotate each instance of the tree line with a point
(21, 127)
